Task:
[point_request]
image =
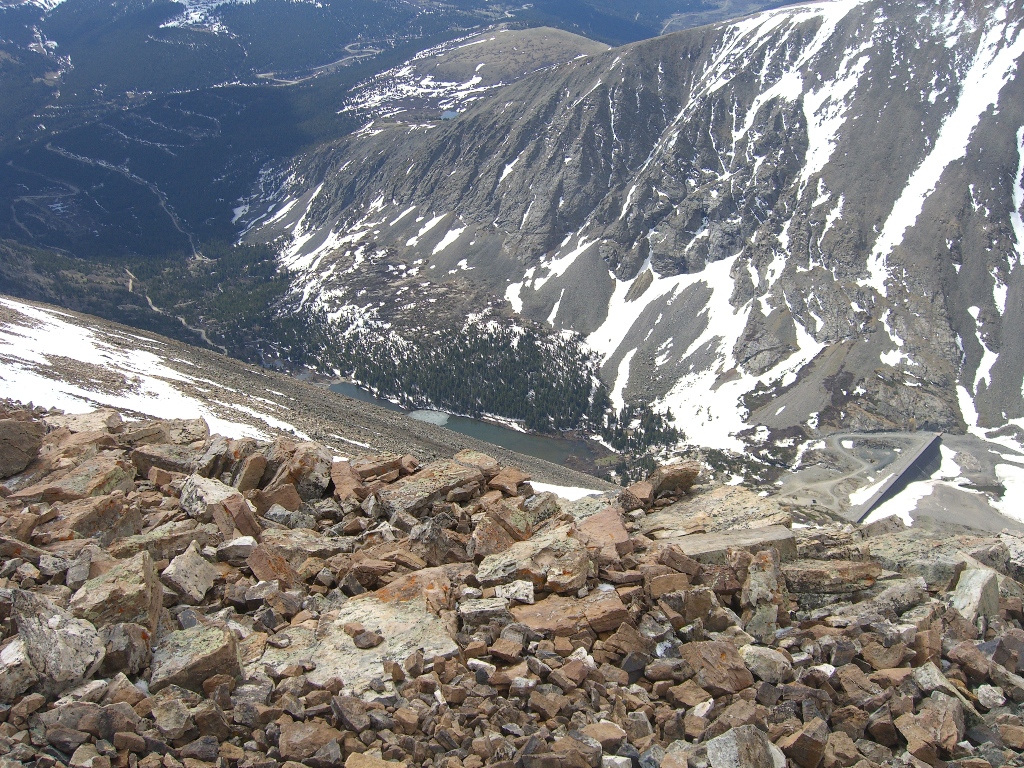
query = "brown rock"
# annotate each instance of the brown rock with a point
(971, 660)
(840, 751)
(719, 666)
(251, 473)
(360, 760)
(677, 477)
(806, 747)
(674, 557)
(670, 582)
(286, 495)
(268, 564)
(242, 517)
(20, 442)
(605, 533)
(555, 615)
(859, 689)
(375, 466)
(608, 734)
(547, 704)
(299, 741)
(507, 480)
(637, 496)
(687, 694)
(346, 480)
(604, 610)
(880, 657)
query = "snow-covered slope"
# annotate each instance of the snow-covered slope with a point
(59, 359)
(805, 220)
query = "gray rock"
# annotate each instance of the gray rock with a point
(475, 613)
(190, 575)
(236, 550)
(409, 626)
(976, 594)
(129, 591)
(713, 548)
(199, 496)
(553, 560)
(744, 747)
(63, 649)
(127, 648)
(520, 591)
(17, 674)
(990, 696)
(189, 656)
(413, 493)
(767, 664)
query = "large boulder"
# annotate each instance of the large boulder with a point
(830, 576)
(17, 674)
(202, 498)
(128, 592)
(413, 493)
(405, 622)
(97, 476)
(62, 649)
(189, 656)
(976, 594)
(190, 575)
(674, 478)
(307, 466)
(104, 518)
(746, 746)
(20, 442)
(554, 560)
(719, 666)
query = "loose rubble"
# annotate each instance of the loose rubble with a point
(175, 599)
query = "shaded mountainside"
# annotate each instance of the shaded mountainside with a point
(805, 219)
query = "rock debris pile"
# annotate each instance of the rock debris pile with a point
(172, 599)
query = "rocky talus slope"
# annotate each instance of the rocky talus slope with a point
(175, 599)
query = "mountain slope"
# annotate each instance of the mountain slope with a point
(803, 220)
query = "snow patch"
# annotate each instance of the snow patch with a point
(994, 64)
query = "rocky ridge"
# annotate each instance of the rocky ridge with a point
(179, 599)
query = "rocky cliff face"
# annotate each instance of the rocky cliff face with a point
(807, 218)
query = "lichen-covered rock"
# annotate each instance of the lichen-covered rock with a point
(62, 649)
(190, 575)
(128, 592)
(554, 560)
(189, 656)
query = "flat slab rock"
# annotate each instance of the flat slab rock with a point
(406, 626)
(725, 508)
(713, 548)
(415, 492)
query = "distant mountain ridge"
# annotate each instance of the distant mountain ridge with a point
(805, 220)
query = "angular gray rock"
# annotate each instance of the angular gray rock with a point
(190, 575)
(63, 650)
